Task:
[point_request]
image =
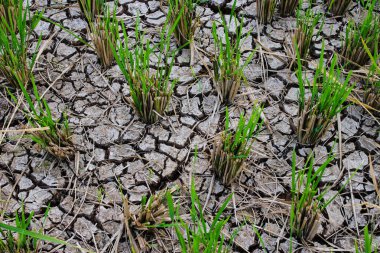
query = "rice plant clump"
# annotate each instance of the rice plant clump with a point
(184, 10)
(153, 211)
(288, 7)
(9, 10)
(199, 234)
(316, 113)
(338, 7)
(21, 243)
(232, 148)
(101, 31)
(306, 25)
(52, 135)
(14, 44)
(367, 32)
(307, 199)
(150, 89)
(228, 69)
(91, 9)
(265, 10)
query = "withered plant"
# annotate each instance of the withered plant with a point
(15, 65)
(288, 7)
(150, 88)
(153, 211)
(228, 66)
(232, 148)
(368, 32)
(265, 10)
(328, 94)
(338, 7)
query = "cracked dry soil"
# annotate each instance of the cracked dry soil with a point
(120, 154)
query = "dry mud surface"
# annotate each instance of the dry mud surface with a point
(118, 154)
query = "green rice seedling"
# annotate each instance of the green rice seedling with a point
(150, 89)
(20, 239)
(306, 25)
(328, 94)
(22, 243)
(228, 69)
(338, 7)
(52, 135)
(91, 9)
(307, 199)
(14, 44)
(9, 9)
(265, 10)
(199, 235)
(232, 148)
(368, 246)
(288, 7)
(353, 52)
(101, 31)
(188, 21)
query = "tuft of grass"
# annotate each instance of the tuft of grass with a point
(338, 7)
(91, 9)
(353, 51)
(52, 135)
(316, 113)
(150, 89)
(228, 69)
(233, 147)
(101, 33)
(185, 29)
(199, 235)
(265, 10)
(306, 25)
(307, 199)
(9, 10)
(14, 44)
(288, 7)
(22, 243)
(368, 246)
(20, 239)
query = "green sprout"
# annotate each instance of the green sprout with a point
(53, 135)
(228, 69)
(307, 199)
(306, 24)
(150, 89)
(233, 147)
(188, 21)
(353, 51)
(328, 94)
(14, 44)
(200, 235)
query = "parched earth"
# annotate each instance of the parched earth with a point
(119, 155)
